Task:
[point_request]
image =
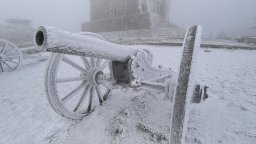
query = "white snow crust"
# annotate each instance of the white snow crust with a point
(56, 40)
(227, 116)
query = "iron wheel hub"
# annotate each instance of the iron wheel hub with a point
(94, 76)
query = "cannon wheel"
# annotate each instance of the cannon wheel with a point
(185, 85)
(93, 85)
(94, 92)
(10, 56)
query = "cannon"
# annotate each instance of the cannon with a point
(100, 66)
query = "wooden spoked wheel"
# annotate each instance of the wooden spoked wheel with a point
(75, 86)
(10, 56)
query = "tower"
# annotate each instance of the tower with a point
(128, 16)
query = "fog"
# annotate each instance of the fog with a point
(230, 16)
(65, 14)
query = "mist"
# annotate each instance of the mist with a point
(64, 14)
(231, 16)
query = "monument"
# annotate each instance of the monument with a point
(120, 19)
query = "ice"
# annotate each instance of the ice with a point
(229, 113)
(227, 116)
(55, 40)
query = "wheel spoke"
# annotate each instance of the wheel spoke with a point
(73, 79)
(1, 67)
(90, 100)
(86, 63)
(4, 48)
(105, 96)
(104, 65)
(92, 60)
(99, 94)
(8, 65)
(70, 62)
(5, 54)
(81, 98)
(98, 62)
(71, 94)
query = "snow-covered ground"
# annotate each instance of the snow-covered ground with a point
(227, 116)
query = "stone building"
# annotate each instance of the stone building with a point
(119, 19)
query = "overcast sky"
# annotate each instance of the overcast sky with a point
(231, 16)
(65, 14)
(214, 15)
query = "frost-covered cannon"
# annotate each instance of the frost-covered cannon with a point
(11, 56)
(103, 66)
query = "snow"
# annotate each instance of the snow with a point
(227, 116)
(26, 116)
(123, 118)
(55, 40)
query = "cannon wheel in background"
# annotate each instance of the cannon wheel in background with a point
(185, 85)
(10, 56)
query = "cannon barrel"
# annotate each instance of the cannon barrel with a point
(80, 44)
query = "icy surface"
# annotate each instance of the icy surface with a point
(60, 41)
(26, 116)
(228, 116)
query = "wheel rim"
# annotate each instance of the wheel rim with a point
(10, 56)
(76, 94)
(185, 85)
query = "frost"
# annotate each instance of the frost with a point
(77, 44)
(227, 116)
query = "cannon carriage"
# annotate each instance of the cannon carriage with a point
(96, 67)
